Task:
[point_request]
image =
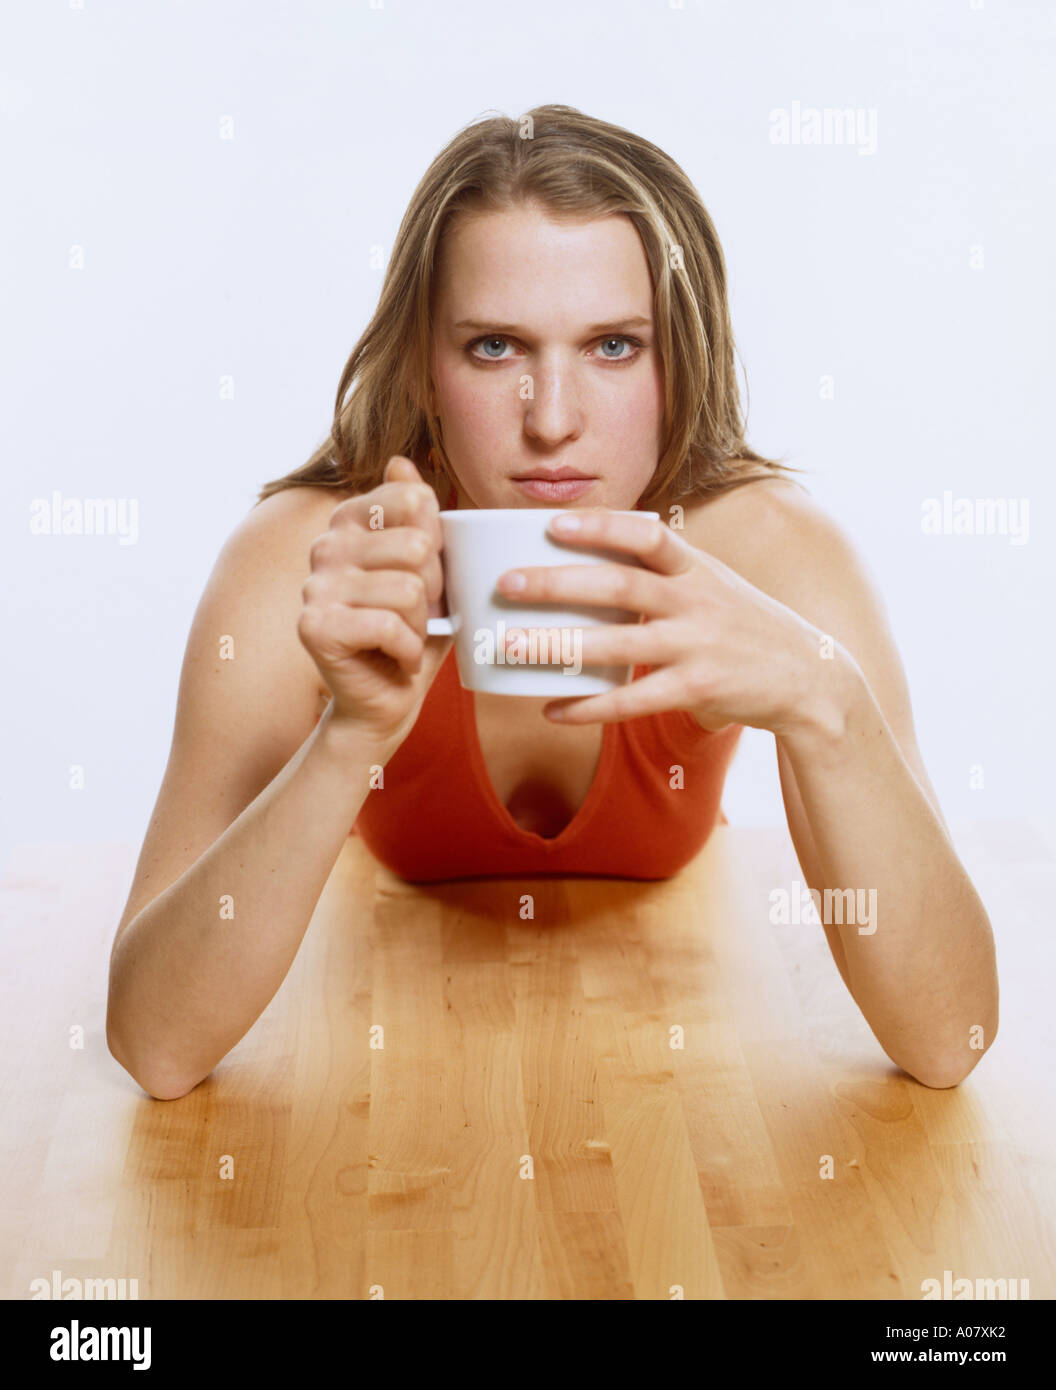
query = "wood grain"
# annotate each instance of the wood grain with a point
(634, 1093)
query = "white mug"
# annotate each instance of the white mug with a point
(480, 544)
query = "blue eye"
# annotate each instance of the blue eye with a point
(491, 340)
(606, 341)
(635, 343)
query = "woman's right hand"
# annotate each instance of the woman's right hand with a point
(367, 600)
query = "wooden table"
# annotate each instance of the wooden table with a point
(634, 1095)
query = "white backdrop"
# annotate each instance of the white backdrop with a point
(196, 191)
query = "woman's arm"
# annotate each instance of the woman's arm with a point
(193, 970)
(923, 971)
(764, 616)
(863, 814)
(252, 814)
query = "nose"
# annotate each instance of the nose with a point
(554, 412)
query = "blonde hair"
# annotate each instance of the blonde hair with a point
(572, 166)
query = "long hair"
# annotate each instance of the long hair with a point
(573, 166)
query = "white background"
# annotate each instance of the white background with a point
(251, 257)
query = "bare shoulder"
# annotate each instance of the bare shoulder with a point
(271, 547)
(782, 540)
(282, 521)
(756, 526)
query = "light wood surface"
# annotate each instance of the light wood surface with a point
(527, 1131)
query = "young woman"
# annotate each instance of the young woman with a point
(555, 303)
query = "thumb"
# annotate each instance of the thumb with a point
(400, 469)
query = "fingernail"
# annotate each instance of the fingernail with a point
(512, 582)
(565, 523)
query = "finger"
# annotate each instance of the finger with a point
(613, 644)
(400, 590)
(402, 470)
(651, 694)
(343, 633)
(402, 499)
(646, 538)
(385, 507)
(401, 547)
(607, 586)
(359, 548)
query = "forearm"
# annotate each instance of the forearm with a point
(923, 972)
(194, 969)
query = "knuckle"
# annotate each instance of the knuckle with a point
(424, 499)
(419, 546)
(699, 682)
(411, 586)
(321, 549)
(308, 625)
(623, 585)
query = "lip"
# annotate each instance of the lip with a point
(555, 490)
(553, 475)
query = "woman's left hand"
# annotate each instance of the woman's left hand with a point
(720, 648)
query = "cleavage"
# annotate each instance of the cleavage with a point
(541, 775)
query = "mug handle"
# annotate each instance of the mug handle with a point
(441, 627)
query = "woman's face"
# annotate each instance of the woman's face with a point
(544, 358)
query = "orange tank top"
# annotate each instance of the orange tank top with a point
(653, 803)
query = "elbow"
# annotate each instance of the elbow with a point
(937, 1080)
(950, 1071)
(163, 1090)
(157, 1085)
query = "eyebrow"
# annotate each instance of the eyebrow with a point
(635, 321)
